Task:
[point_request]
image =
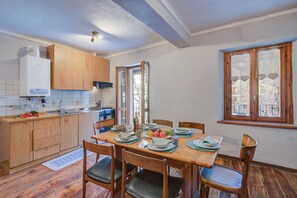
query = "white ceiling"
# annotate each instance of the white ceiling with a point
(198, 15)
(71, 22)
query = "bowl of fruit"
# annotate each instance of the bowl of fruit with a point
(159, 133)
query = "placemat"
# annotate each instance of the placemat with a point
(192, 146)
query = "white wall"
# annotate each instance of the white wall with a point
(11, 49)
(186, 85)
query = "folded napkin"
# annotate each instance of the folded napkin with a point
(210, 140)
(192, 146)
(184, 135)
(183, 130)
(119, 127)
(126, 134)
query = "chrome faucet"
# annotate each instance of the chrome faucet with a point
(60, 106)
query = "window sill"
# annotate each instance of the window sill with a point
(258, 124)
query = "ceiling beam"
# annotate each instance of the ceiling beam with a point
(156, 16)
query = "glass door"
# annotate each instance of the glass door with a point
(132, 93)
(122, 100)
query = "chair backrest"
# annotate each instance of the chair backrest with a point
(247, 153)
(96, 126)
(147, 163)
(104, 149)
(248, 148)
(193, 125)
(163, 122)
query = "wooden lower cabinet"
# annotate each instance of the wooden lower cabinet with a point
(69, 131)
(86, 129)
(20, 143)
(46, 137)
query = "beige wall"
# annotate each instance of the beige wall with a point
(186, 85)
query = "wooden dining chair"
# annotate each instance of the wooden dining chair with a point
(96, 127)
(193, 125)
(106, 173)
(152, 181)
(163, 122)
(227, 179)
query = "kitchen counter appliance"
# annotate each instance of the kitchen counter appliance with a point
(104, 115)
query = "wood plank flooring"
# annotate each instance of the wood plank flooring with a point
(40, 182)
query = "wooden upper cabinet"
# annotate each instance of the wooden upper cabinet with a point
(78, 65)
(101, 69)
(61, 66)
(96, 68)
(72, 69)
(88, 72)
(106, 70)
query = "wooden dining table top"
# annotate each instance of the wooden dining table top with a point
(183, 153)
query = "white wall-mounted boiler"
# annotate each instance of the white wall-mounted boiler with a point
(34, 76)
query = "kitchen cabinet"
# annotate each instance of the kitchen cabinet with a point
(69, 131)
(72, 69)
(101, 69)
(78, 66)
(46, 137)
(105, 70)
(86, 129)
(88, 72)
(61, 67)
(20, 143)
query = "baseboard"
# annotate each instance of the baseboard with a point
(260, 163)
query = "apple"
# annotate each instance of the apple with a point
(156, 134)
(162, 135)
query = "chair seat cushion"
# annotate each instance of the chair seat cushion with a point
(222, 176)
(150, 184)
(101, 170)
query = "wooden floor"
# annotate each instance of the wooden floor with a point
(39, 181)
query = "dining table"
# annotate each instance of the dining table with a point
(185, 158)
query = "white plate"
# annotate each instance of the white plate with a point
(114, 129)
(150, 126)
(152, 147)
(200, 144)
(183, 131)
(132, 138)
(146, 136)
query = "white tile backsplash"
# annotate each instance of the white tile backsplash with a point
(12, 104)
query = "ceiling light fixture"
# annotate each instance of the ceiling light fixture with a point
(96, 34)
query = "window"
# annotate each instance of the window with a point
(258, 84)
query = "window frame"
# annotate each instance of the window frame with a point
(285, 84)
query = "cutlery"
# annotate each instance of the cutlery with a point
(173, 149)
(137, 140)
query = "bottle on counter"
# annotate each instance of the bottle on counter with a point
(136, 122)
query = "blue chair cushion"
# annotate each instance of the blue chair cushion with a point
(222, 176)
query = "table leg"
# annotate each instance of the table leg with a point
(187, 175)
(195, 177)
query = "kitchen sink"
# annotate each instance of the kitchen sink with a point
(64, 112)
(73, 111)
